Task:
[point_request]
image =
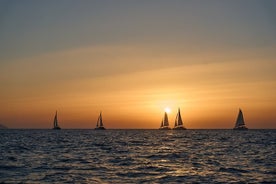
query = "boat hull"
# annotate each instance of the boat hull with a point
(164, 128)
(100, 128)
(56, 128)
(240, 128)
(179, 128)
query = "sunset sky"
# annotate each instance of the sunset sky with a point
(132, 59)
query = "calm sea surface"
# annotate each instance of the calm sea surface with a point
(137, 156)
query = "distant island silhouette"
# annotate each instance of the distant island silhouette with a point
(3, 127)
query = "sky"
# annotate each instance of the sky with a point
(132, 59)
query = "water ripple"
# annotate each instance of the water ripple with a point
(137, 156)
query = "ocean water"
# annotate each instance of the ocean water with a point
(137, 156)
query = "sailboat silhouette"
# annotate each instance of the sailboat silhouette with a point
(240, 125)
(178, 124)
(99, 125)
(165, 123)
(56, 127)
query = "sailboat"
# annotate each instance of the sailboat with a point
(56, 127)
(100, 125)
(240, 125)
(165, 123)
(178, 124)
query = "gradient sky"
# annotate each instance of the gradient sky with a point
(131, 59)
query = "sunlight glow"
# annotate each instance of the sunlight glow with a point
(167, 110)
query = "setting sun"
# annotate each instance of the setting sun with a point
(167, 110)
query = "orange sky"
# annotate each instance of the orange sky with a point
(209, 94)
(132, 64)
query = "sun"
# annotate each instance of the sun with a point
(167, 110)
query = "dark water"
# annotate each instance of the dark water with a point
(137, 156)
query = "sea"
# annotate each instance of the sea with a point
(137, 156)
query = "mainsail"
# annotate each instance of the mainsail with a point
(178, 123)
(56, 122)
(99, 125)
(165, 122)
(240, 121)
